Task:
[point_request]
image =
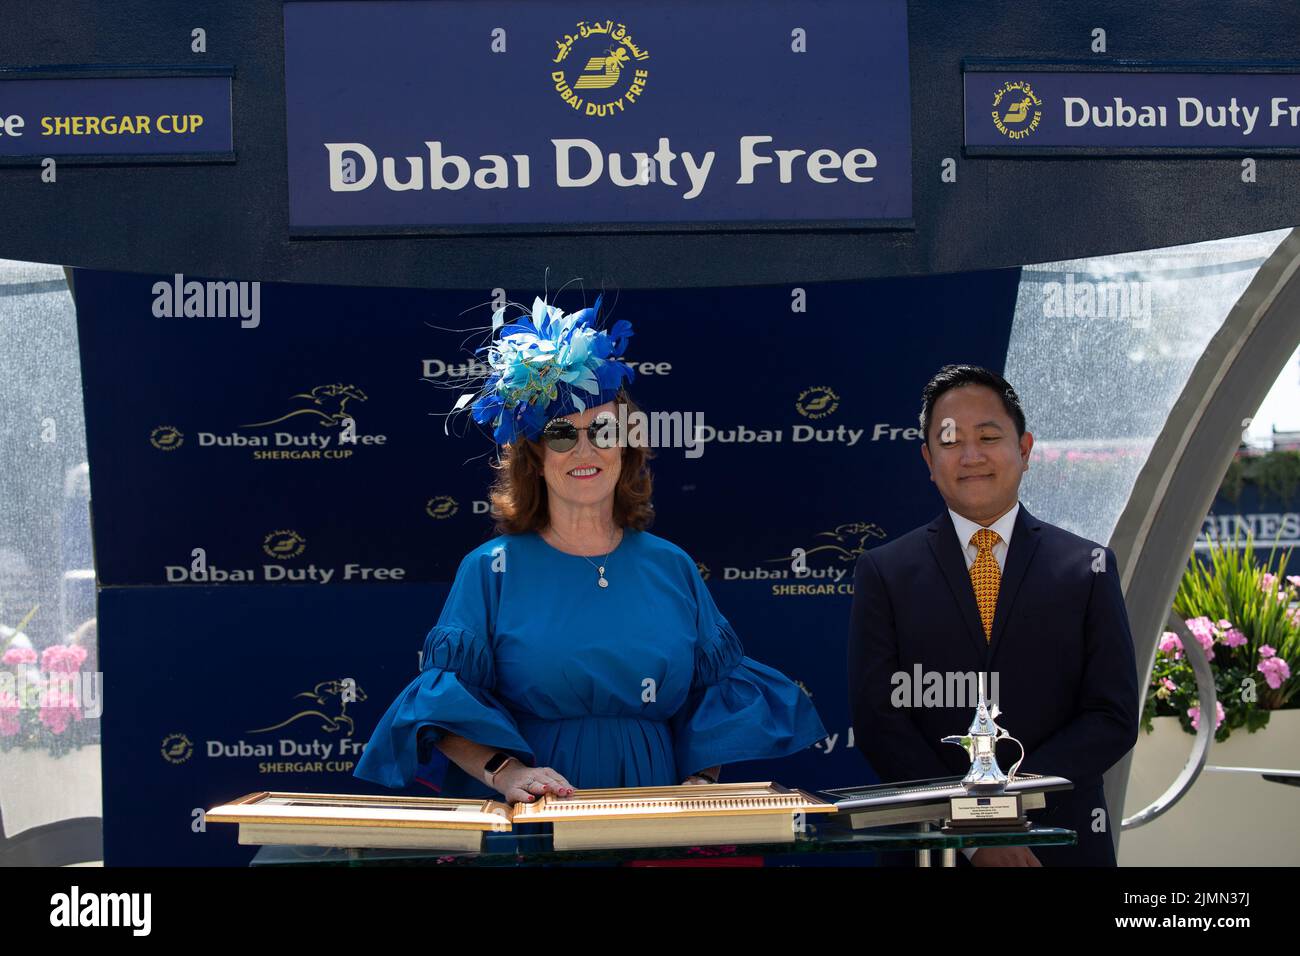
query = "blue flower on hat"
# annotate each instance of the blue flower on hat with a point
(549, 364)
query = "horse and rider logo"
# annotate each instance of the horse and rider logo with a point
(328, 406)
(327, 703)
(843, 545)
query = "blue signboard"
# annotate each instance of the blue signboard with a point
(106, 114)
(417, 116)
(1035, 107)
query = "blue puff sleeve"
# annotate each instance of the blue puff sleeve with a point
(453, 692)
(738, 708)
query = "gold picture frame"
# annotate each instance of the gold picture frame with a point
(359, 820)
(434, 813)
(685, 800)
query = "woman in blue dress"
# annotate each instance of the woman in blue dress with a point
(577, 649)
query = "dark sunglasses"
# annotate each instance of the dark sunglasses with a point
(561, 434)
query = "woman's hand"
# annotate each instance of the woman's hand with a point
(712, 777)
(520, 784)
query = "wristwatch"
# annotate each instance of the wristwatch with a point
(495, 763)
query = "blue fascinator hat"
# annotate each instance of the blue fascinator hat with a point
(547, 364)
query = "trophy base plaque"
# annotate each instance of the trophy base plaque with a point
(981, 813)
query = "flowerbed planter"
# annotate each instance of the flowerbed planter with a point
(1225, 819)
(37, 788)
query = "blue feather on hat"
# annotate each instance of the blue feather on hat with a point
(549, 364)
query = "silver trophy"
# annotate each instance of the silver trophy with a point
(985, 776)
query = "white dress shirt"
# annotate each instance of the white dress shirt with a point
(970, 550)
(1003, 526)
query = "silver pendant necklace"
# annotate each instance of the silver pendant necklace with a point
(600, 568)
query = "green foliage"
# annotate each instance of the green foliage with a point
(1231, 599)
(1234, 479)
(1275, 473)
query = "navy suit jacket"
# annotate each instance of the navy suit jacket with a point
(1061, 649)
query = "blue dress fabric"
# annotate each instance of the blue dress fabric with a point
(641, 683)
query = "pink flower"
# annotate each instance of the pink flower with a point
(66, 658)
(1293, 615)
(1275, 670)
(1234, 637)
(1203, 631)
(56, 718)
(1293, 580)
(1171, 644)
(1195, 713)
(8, 714)
(1169, 685)
(1266, 651)
(1224, 624)
(19, 655)
(58, 708)
(1267, 581)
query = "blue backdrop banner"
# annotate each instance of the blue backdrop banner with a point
(251, 559)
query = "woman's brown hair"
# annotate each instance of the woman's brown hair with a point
(519, 496)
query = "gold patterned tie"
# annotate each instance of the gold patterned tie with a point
(986, 576)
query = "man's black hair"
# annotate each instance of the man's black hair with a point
(955, 376)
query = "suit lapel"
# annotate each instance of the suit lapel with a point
(947, 551)
(1024, 541)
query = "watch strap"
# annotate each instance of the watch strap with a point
(495, 763)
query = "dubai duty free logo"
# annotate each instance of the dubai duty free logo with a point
(1017, 110)
(284, 544)
(817, 402)
(177, 748)
(441, 507)
(166, 438)
(599, 69)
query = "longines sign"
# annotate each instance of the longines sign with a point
(460, 114)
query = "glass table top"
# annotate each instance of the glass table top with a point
(530, 845)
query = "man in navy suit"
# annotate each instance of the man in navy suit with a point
(1049, 627)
